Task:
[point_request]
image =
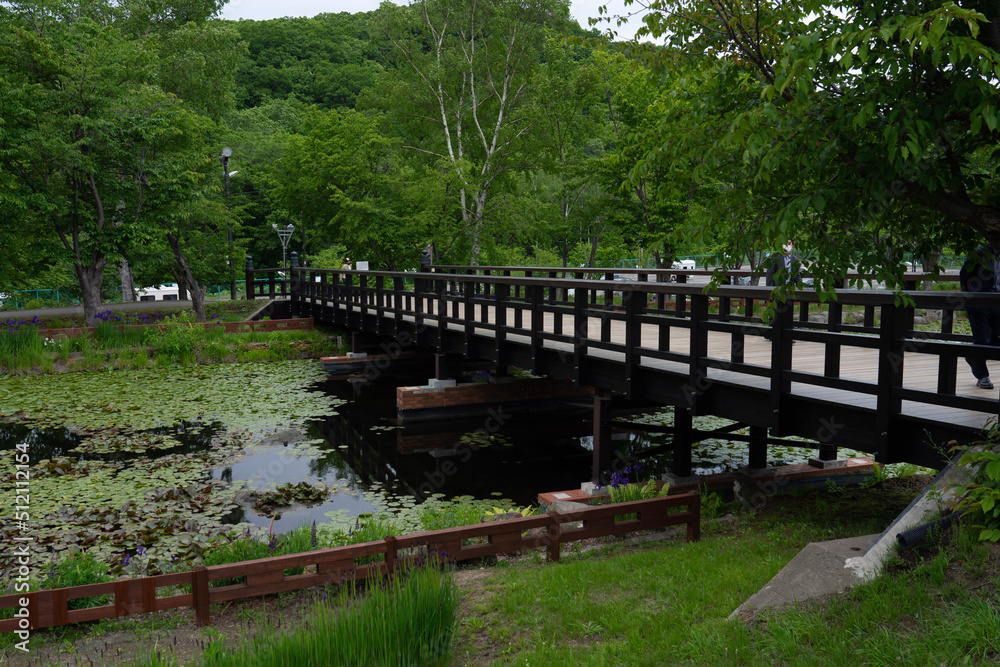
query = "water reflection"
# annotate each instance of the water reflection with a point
(366, 457)
(53, 443)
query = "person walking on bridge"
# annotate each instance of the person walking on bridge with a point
(981, 273)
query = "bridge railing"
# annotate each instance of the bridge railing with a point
(873, 345)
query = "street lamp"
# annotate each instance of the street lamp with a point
(284, 233)
(224, 158)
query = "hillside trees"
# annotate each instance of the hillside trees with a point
(870, 124)
(462, 84)
(327, 60)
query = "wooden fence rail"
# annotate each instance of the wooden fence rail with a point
(49, 608)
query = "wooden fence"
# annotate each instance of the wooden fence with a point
(49, 608)
(295, 324)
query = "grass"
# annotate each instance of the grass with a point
(669, 603)
(23, 350)
(407, 620)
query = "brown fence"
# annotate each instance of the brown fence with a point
(296, 324)
(43, 609)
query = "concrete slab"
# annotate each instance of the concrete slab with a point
(816, 571)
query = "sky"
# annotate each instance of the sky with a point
(260, 10)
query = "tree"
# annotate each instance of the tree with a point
(463, 73)
(76, 107)
(342, 178)
(566, 129)
(867, 122)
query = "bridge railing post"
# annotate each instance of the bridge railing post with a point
(581, 312)
(502, 292)
(781, 361)
(536, 296)
(891, 351)
(698, 346)
(634, 302)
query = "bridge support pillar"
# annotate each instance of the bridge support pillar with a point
(683, 437)
(603, 448)
(440, 366)
(758, 447)
(827, 458)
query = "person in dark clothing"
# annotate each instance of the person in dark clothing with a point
(981, 273)
(781, 267)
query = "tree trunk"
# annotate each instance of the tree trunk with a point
(187, 280)
(182, 292)
(594, 240)
(128, 285)
(927, 263)
(91, 279)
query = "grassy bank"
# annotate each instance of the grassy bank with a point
(23, 350)
(668, 602)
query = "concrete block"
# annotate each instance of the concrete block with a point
(357, 355)
(827, 465)
(435, 383)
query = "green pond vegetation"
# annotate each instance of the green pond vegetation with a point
(154, 499)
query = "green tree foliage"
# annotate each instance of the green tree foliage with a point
(79, 111)
(94, 126)
(866, 126)
(342, 178)
(327, 60)
(461, 88)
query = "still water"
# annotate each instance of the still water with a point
(369, 459)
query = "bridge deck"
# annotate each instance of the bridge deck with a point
(886, 387)
(920, 371)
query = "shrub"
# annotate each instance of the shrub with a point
(177, 343)
(982, 494)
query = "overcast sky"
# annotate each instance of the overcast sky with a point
(259, 10)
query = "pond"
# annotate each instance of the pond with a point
(167, 459)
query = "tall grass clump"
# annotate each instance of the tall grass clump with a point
(407, 620)
(177, 344)
(21, 349)
(115, 337)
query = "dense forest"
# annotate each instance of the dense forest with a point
(501, 132)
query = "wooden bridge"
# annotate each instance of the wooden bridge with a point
(876, 370)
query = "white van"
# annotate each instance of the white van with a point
(165, 292)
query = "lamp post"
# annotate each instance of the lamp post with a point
(224, 158)
(284, 233)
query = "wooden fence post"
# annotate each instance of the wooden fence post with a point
(199, 586)
(552, 534)
(391, 547)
